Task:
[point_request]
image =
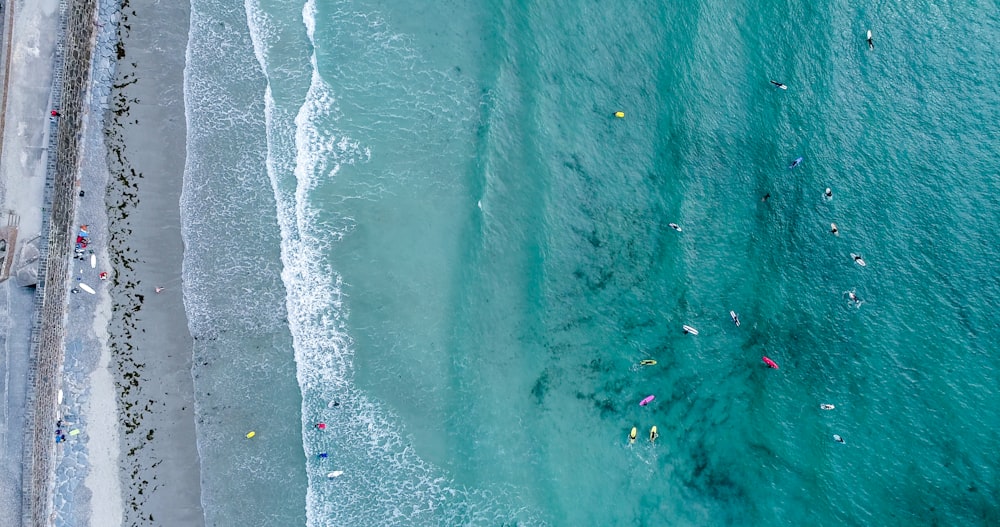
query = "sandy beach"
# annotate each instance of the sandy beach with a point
(113, 377)
(150, 344)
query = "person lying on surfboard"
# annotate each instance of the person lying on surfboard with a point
(780, 85)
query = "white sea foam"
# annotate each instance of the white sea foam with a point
(384, 477)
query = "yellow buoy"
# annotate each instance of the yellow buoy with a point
(251, 434)
(620, 115)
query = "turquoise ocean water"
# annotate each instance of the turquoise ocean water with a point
(421, 224)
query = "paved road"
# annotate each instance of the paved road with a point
(28, 46)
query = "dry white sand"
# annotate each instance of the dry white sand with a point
(102, 417)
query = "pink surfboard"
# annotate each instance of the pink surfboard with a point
(770, 363)
(647, 400)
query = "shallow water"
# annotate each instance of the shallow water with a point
(474, 257)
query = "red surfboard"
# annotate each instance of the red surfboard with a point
(770, 363)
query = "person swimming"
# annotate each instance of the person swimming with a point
(766, 197)
(780, 85)
(828, 194)
(838, 439)
(854, 298)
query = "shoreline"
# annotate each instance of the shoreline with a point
(149, 341)
(113, 370)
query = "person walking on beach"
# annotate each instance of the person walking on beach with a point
(159, 289)
(54, 113)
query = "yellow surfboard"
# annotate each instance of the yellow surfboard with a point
(647, 362)
(653, 434)
(632, 435)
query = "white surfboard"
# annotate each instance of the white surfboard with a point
(869, 33)
(858, 260)
(675, 227)
(689, 329)
(93, 261)
(335, 474)
(87, 288)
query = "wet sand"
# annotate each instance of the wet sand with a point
(149, 340)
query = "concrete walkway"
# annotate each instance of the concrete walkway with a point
(31, 32)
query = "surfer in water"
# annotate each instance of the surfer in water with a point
(828, 194)
(854, 298)
(675, 227)
(826, 406)
(871, 43)
(795, 163)
(838, 439)
(833, 229)
(780, 85)
(766, 197)
(857, 259)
